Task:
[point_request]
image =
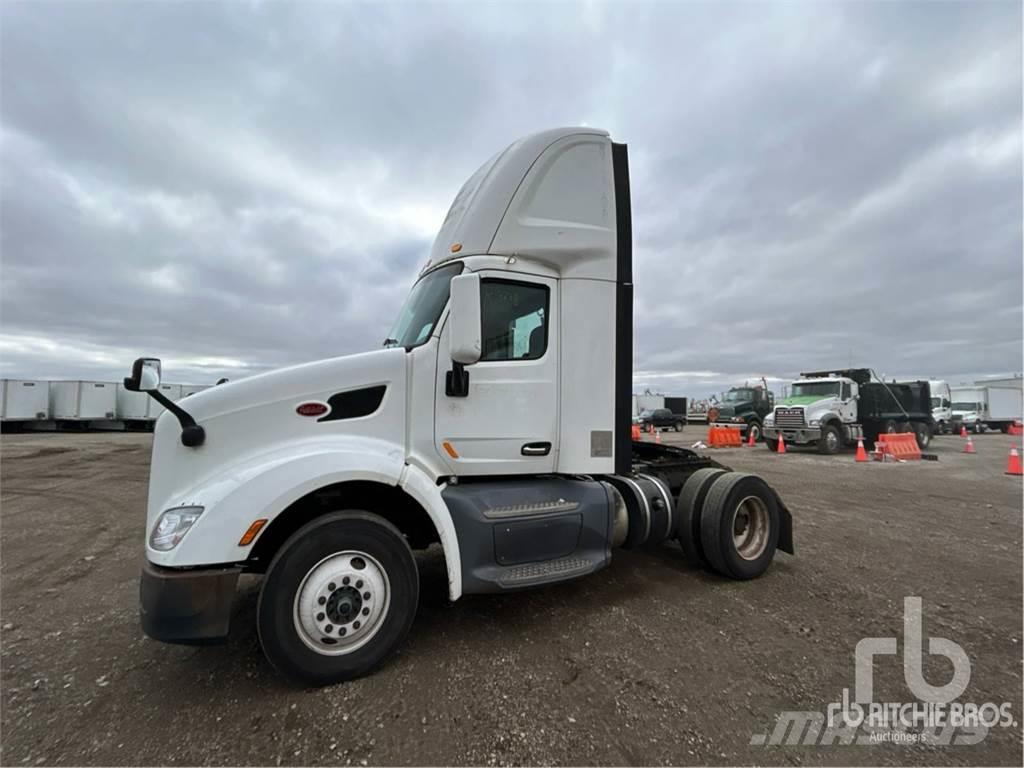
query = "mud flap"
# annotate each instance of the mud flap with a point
(785, 525)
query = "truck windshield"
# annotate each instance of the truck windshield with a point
(422, 309)
(965, 407)
(816, 388)
(738, 396)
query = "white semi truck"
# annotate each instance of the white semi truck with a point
(495, 422)
(942, 406)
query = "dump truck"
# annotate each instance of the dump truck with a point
(744, 407)
(833, 409)
(495, 422)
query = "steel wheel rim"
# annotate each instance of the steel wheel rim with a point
(832, 440)
(341, 603)
(750, 527)
(756, 431)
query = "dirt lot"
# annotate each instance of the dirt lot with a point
(650, 661)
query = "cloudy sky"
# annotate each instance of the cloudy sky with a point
(240, 186)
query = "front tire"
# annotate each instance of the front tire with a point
(338, 597)
(830, 441)
(739, 526)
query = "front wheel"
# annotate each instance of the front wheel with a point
(830, 441)
(339, 596)
(754, 429)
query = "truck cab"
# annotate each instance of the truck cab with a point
(942, 406)
(818, 410)
(494, 423)
(970, 408)
(744, 407)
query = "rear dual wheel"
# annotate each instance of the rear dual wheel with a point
(728, 522)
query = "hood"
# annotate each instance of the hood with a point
(802, 400)
(734, 408)
(360, 394)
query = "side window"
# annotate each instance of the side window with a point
(846, 390)
(514, 320)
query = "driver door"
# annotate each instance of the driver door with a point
(508, 421)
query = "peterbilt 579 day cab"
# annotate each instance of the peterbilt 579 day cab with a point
(495, 423)
(831, 409)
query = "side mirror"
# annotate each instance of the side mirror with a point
(464, 320)
(145, 375)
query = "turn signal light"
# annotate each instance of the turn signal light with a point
(450, 450)
(250, 534)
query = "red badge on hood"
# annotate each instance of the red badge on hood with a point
(311, 409)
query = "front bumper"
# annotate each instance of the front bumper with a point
(189, 606)
(740, 425)
(799, 435)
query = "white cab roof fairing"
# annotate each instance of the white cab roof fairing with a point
(549, 197)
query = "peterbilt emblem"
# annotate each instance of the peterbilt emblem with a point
(312, 409)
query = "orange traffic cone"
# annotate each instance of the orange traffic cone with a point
(963, 431)
(657, 436)
(1013, 466)
(650, 429)
(782, 444)
(750, 438)
(636, 432)
(862, 455)
(969, 448)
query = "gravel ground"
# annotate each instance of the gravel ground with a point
(650, 661)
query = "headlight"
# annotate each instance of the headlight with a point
(815, 422)
(738, 419)
(769, 419)
(172, 526)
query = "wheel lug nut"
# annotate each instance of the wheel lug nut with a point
(355, 625)
(328, 629)
(345, 580)
(366, 611)
(331, 586)
(359, 584)
(342, 631)
(321, 600)
(320, 616)
(366, 595)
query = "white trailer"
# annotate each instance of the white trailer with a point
(24, 400)
(1004, 407)
(132, 407)
(83, 401)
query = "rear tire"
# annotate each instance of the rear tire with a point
(773, 445)
(338, 597)
(923, 433)
(739, 526)
(688, 512)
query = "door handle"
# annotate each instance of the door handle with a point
(536, 449)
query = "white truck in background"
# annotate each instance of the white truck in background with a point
(942, 406)
(495, 422)
(979, 408)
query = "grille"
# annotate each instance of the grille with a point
(789, 417)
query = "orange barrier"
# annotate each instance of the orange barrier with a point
(1016, 430)
(636, 432)
(724, 437)
(902, 445)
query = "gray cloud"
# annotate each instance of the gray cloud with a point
(240, 186)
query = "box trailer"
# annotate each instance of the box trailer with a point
(132, 407)
(171, 391)
(24, 400)
(1004, 407)
(83, 401)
